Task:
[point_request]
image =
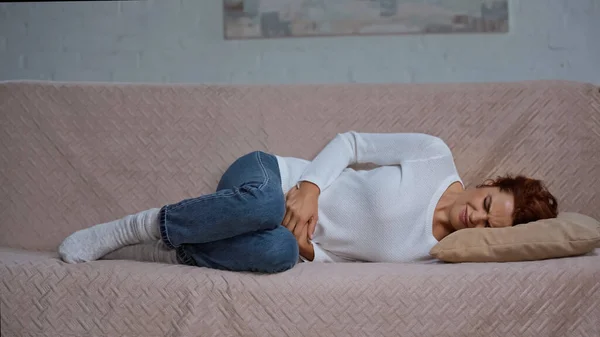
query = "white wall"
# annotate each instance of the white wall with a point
(182, 41)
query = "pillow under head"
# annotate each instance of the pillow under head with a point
(569, 234)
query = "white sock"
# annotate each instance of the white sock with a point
(92, 243)
(145, 252)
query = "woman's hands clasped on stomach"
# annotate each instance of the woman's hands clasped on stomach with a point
(302, 214)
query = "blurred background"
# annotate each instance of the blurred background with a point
(184, 41)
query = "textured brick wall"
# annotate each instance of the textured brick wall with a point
(181, 41)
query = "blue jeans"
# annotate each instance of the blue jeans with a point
(237, 228)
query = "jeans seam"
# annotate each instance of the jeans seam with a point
(264, 171)
(184, 258)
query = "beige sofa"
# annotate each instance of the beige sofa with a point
(73, 155)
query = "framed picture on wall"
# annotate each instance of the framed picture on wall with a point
(245, 19)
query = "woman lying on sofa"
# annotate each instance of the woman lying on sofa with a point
(331, 213)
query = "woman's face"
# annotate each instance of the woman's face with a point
(482, 207)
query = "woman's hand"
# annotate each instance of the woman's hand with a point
(305, 247)
(302, 210)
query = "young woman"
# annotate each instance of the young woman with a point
(331, 213)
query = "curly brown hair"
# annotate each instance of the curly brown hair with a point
(533, 201)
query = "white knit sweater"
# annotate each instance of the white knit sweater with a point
(379, 215)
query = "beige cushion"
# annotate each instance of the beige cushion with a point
(568, 235)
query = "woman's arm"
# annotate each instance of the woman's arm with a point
(377, 148)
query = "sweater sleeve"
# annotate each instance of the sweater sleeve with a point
(378, 148)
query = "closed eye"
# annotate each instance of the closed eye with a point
(487, 203)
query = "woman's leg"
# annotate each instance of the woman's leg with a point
(268, 251)
(241, 229)
(155, 251)
(248, 199)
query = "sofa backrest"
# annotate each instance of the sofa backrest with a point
(73, 155)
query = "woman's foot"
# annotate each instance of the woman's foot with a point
(92, 243)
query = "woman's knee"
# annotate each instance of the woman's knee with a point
(283, 252)
(244, 171)
(268, 209)
(274, 207)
